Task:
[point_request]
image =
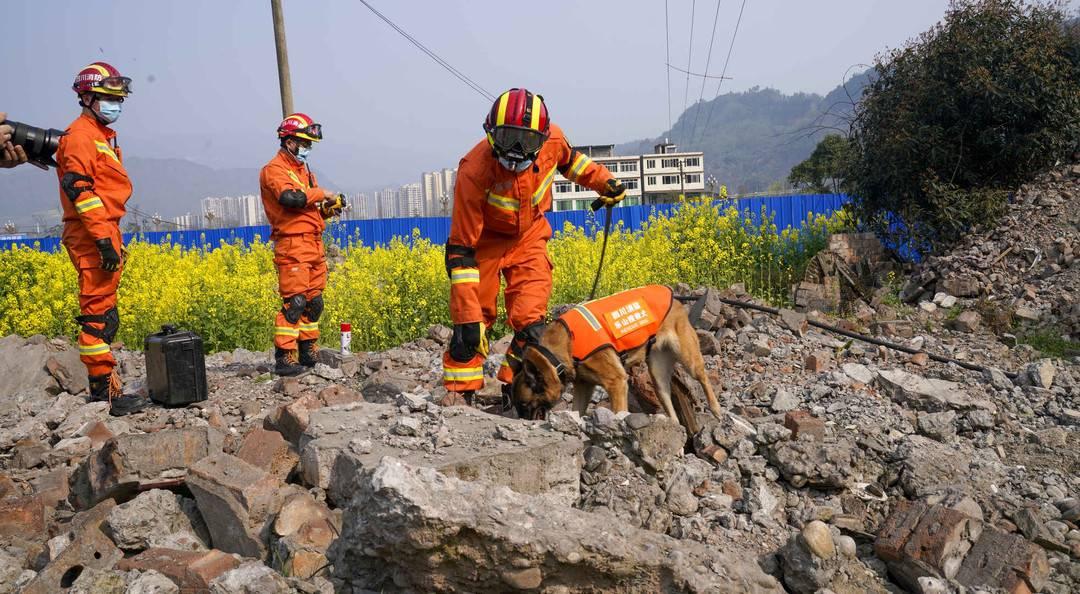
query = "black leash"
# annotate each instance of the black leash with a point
(603, 250)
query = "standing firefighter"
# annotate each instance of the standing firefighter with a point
(498, 229)
(296, 208)
(94, 187)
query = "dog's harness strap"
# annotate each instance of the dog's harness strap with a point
(560, 368)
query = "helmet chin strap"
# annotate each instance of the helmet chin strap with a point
(95, 98)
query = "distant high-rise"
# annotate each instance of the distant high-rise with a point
(387, 203)
(358, 207)
(437, 188)
(231, 211)
(411, 200)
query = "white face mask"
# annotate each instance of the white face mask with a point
(515, 166)
(302, 153)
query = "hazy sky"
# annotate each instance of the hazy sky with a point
(206, 86)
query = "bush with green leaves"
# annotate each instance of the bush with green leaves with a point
(977, 105)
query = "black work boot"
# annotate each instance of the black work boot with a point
(309, 352)
(287, 363)
(108, 388)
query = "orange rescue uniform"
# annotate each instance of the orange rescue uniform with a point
(94, 187)
(498, 229)
(623, 321)
(298, 247)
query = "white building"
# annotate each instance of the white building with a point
(184, 221)
(232, 211)
(649, 179)
(387, 203)
(410, 199)
(359, 207)
(437, 191)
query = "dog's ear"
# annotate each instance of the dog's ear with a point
(542, 369)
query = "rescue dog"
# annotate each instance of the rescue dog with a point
(549, 364)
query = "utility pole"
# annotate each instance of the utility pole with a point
(682, 179)
(284, 80)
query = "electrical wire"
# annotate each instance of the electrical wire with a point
(438, 60)
(667, 53)
(689, 55)
(723, 73)
(708, 60)
(696, 74)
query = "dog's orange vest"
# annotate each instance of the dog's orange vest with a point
(622, 321)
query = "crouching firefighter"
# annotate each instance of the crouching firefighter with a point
(94, 189)
(296, 208)
(498, 229)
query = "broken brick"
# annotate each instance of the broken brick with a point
(942, 539)
(90, 548)
(291, 420)
(26, 517)
(269, 451)
(237, 501)
(191, 571)
(817, 362)
(1002, 560)
(897, 529)
(801, 422)
(52, 487)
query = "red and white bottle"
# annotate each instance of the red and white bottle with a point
(346, 337)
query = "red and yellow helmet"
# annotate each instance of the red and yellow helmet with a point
(517, 125)
(300, 126)
(100, 77)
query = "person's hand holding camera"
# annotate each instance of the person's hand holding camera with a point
(10, 154)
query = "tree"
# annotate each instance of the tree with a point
(971, 108)
(826, 169)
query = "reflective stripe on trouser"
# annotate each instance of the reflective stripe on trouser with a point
(524, 264)
(463, 377)
(285, 334)
(301, 267)
(97, 295)
(308, 330)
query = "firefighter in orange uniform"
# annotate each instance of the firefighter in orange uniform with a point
(296, 208)
(94, 188)
(498, 229)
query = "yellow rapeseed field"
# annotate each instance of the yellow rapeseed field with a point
(394, 293)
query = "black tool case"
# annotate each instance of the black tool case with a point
(175, 367)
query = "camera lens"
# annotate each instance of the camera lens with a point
(40, 143)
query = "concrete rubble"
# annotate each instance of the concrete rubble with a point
(416, 529)
(837, 466)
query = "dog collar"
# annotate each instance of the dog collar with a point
(560, 367)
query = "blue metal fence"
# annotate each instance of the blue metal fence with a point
(787, 211)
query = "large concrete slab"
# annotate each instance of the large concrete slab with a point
(459, 442)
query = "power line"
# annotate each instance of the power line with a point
(667, 51)
(708, 60)
(690, 54)
(696, 74)
(723, 73)
(438, 60)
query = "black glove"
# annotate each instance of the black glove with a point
(612, 195)
(110, 260)
(466, 341)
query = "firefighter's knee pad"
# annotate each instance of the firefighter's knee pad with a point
(110, 320)
(314, 308)
(294, 308)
